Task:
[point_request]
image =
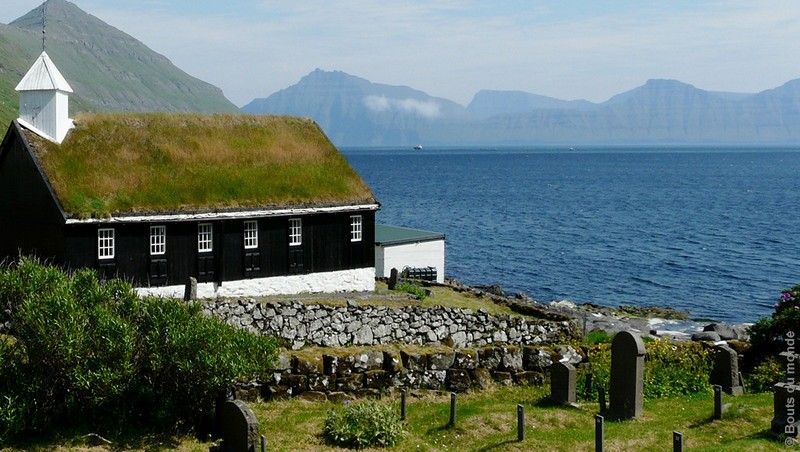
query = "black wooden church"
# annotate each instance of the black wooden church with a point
(248, 205)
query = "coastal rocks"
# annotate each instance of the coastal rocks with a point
(706, 336)
(728, 332)
(301, 324)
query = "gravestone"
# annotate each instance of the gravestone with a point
(239, 427)
(393, 279)
(627, 376)
(786, 420)
(562, 383)
(726, 370)
(191, 289)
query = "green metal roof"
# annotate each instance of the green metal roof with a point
(397, 235)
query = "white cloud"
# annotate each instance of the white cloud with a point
(426, 109)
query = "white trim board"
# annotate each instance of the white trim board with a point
(244, 214)
(356, 280)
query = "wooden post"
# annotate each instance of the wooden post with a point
(717, 402)
(453, 406)
(677, 442)
(403, 405)
(601, 396)
(598, 433)
(263, 443)
(587, 387)
(520, 423)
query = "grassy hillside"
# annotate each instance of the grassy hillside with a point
(159, 162)
(108, 69)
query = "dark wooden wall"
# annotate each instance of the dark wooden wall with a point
(30, 220)
(325, 247)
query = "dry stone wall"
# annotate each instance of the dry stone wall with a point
(370, 373)
(301, 324)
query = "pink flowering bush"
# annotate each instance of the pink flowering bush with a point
(768, 336)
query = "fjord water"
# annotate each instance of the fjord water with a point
(710, 230)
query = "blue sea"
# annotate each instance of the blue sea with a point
(714, 231)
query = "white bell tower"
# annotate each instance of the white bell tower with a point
(44, 100)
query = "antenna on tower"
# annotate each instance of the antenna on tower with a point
(44, 25)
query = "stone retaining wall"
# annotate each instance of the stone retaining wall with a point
(371, 373)
(331, 326)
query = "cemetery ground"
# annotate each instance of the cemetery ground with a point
(487, 421)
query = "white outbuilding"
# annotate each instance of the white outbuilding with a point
(401, 248)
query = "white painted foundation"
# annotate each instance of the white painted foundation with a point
(358, 280)
(418, 254)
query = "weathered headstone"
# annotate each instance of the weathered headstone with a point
(191, 289)
(718, 408)
(393, 279)
(453, 409)
(239, 427)
(627, 376)
(677, 442)
(599, 433)
(562, 383)
(786, 419)
(726, 370)
(403, 407)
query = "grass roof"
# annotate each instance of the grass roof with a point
(141, 163)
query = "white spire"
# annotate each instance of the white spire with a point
(44, 100)
(44, 76)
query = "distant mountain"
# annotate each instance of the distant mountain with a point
(354, 110)
(488, 103)
(658, 112)
(108, 69)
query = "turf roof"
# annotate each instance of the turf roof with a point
(146, 163)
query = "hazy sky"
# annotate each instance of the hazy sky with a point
(589, 49)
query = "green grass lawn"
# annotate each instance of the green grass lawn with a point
(487, 421)
(442, 296)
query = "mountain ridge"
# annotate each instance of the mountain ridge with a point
(660, 111)
(108, 69)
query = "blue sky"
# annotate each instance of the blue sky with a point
(568, 49)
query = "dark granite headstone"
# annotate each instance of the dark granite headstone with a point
(562, 383)
(627, 376)
(191, 289)
(239, 427)
(786, 419)
(393, 279)
(726, 370)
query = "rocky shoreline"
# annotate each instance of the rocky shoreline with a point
(654, 322)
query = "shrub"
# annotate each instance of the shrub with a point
(411, 288)
(671, 369)
(768, 335)
(363, 424)
(766, 374)
(91, 351)
(597, 337)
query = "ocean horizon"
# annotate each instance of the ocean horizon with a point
(705, 229)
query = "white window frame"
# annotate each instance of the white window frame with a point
(295, 231)
(205, 237)
(251, 235)
(158, 240)
(356, 228)
(106, 243)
